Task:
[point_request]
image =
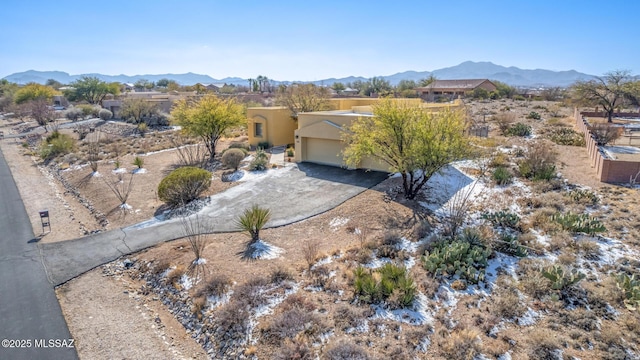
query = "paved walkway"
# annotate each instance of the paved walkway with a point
(292, 194)
(29, 309)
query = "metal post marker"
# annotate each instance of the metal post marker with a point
(44, 217)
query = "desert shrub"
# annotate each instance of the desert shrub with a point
(299, 301)
(562, 278)
(506, 302)
(519, 129)
(139, 162)
(346, 351)
(73, 113)
(583, 196)
(502, 176)
(292, 322)
(604, 134)
(174, 276)
(105, 114)
(295, 349)
(232, 322)
(464, 344)
(564, 136)
(543, 345)
(392, 279)
(290, 152)
(535, 285)
(503, 218)
(630, 287)
(232, 158)
(346, 317)
(183, 185)
(260, 161)
(534, 115)
(579, 223)
(56, 144)
(239, 145)
(250, 293)
(499, 159)
(264, 145)
(538, 162)
(457, 258)
(280, 274)
(216, 286)
(89, 110)
(504, 121)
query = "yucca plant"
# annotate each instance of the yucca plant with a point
(253, 220)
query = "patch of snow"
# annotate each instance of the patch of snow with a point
(323, 261)
(235, 176)
(505, 356)
(215, 301)
(186, 282)
(424, 344)
(409, 263)
(337, 222)
(200, 261)
(119, 170)
(263, 250)
(376, 263)
(406, 245)
(96, 174)
(139, 171)
(528, 318)
(418, 314)
(126, 206)
(363, 327)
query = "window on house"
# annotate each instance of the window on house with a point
(258, 130)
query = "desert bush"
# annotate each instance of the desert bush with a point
(183, 185)
(264, 145)
(216, 286)
(604, 134)
(260, 161)
(232, 322)
(105, 114)
(295, 349)
(534, 115)
(503, 218)
(502, 176)
(579, 223)
(142, 129)
(73, 113)
(174, 276)
(138, 161)
(392, 278)
(535, 285)
(583, 196)
(232, 158)
(562, 278)
(538, 162)
(299, 301)
(89, 110)
(239, 145)
(544, 345)
(519, 129)
(564, 136)
(253, 220)
(346, 317)
(56, 144)
(457, 258)
(463, 344)
(506, 303)
(504, 121)
(346, 351)
(188, 153)
(292, 322)
(280, 274)
(311, 251)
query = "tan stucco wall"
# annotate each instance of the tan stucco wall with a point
(277, 125)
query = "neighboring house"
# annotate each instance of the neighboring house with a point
(453, 88)
(349, 91)
(164, 101)
(317, 136)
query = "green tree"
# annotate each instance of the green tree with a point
(379, 86)
(406, 85)
(608, 91)
(33, 91)
(503, 90)
(163, 83)
(137, 110)
(253, 220)
(208, 118)
(144, 84)
(91, 90)
(303, 98)
(338, 87)
(54, 83)
(410, 140)
(427, 81)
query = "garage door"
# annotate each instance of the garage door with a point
(323, 151)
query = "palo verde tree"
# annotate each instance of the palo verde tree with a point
(91, 90)
(303, 98)
(410, 140)
(608, 91)
(33, 92)
(208, 118)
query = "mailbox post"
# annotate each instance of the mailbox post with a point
(44, 218)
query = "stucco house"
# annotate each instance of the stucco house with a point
(454, 88)
(317, 136)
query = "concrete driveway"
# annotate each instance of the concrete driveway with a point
(292, 194)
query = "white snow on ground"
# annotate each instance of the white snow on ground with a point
(418, 314)
(200, 261)
(186, 282)
(126, 207)
(235, 176)
(96, 174)
(215, 301)
(337, 222)
(139, 171)
(263, 250)
(119, 171)
(528, 318)
(612, 150)
(443, 185)
(165, 150)
(408, 246)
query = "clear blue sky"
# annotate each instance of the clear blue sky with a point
(312, 40)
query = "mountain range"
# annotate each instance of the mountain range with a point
(467, 70)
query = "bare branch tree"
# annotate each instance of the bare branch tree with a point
(121, 189)
(93, 151)
(194, 230)
(457, 209)
(189, 154)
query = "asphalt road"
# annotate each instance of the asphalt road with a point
(32, 323)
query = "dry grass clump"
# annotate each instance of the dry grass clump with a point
(530, 240)
(506, 301)
(297, 301)
(543, 344)
(216, 286)
(292, 322)
(173, 277)
(531, 281)
(310, 252)
(160, 266)
(464, 344)
(346, 350)
(281, 274)
(320, 275)
(541, 220)
(560, 240)
(197, 305)
(297, 349)
(346, 317)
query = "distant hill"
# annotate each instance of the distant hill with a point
(467, 70)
